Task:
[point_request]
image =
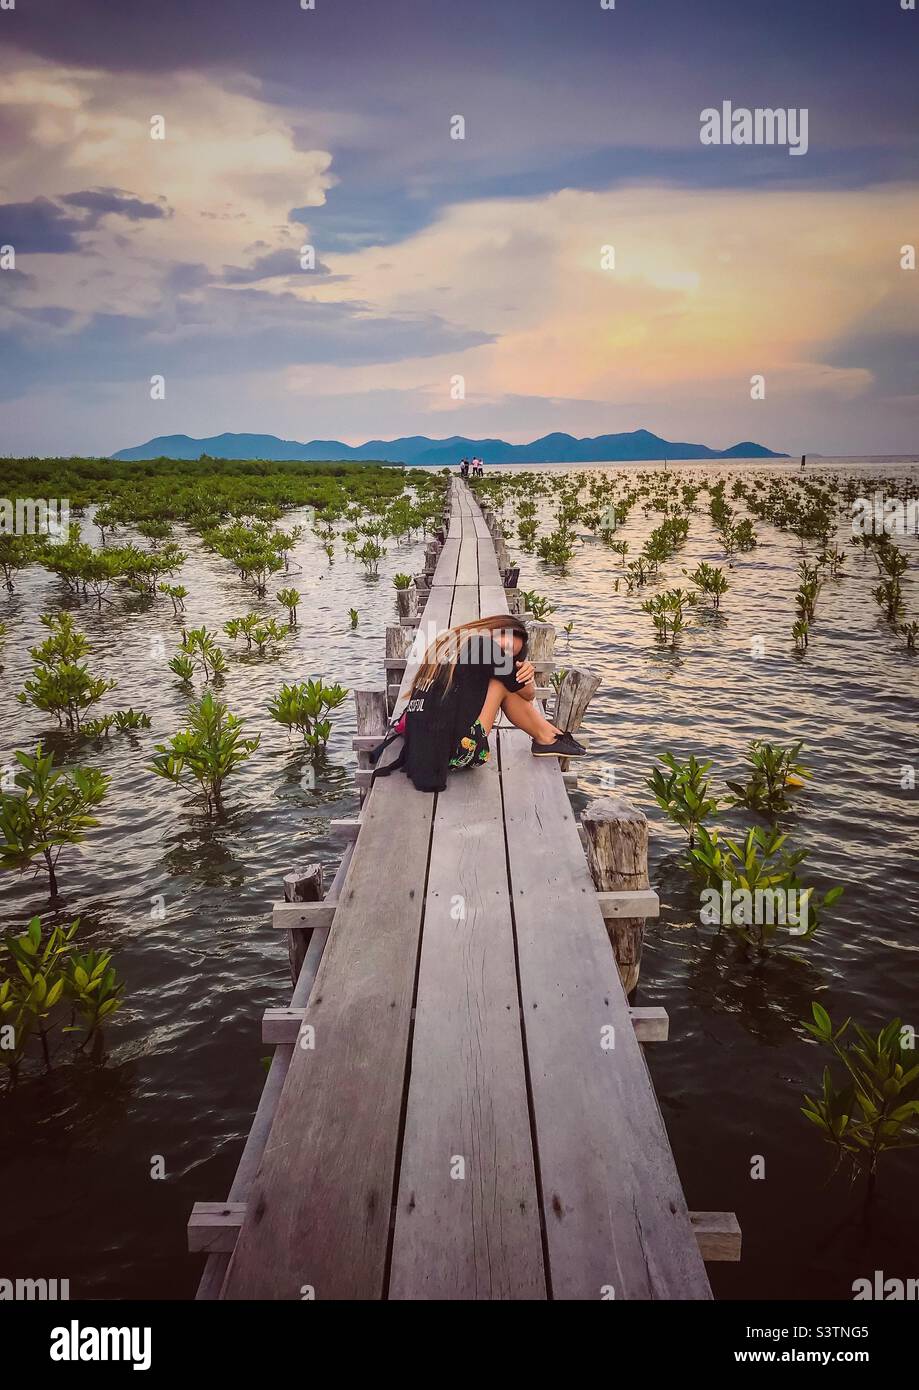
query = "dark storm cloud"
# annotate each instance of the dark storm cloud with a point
(39, 228)
(46, 227)
(115, 200)
(558, 93)
(273, 36)
(284, 261)
(222, 332)
(892, 357)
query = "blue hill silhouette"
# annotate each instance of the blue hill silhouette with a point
(420, 451)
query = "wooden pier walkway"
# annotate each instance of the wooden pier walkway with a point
(467, 1113)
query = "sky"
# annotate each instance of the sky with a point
(458, 286)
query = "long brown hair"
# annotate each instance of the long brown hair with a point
(454, 645)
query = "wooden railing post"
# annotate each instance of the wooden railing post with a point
(301, 885)
(617, 854)
(372, 720)
(541, 644)
(398, 645)
(575, 693)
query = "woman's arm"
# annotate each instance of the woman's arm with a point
(526, 678)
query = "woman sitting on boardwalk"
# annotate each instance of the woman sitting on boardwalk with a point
(468, 674)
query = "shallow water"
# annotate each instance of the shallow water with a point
(184, 1069)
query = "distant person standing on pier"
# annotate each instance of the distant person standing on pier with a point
(803, 458)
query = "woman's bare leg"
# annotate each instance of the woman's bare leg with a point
(522, 713)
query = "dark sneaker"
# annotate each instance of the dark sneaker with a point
(564, 746)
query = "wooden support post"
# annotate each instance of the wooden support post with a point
(431, 554)
(301, 885)
(541, 645)
(617, 853)
(575, 693)
(399, 641)
(372, 718)
(422, 584)
(511, 576)
(405, 603)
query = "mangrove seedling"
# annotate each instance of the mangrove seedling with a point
(537, 605)
(93, 989)
(772, 769)
(257, 631)
(402, 581)
(370, 554)
(205, 753)
(123, 720)
(666, 612)
(178, 593)
(201, 648)
(683, 793)
(289, 598)
(16, 553)
(61, 684)
(54, 810)
(305, 707)
(753, 888)
(910, 631)
(353, 617)
(50, 978)
(799, 631)
(184, 668)
(711, 581)
(876, 1107)
(27, 999)
(557, 548)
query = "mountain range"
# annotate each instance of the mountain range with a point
(419, 451)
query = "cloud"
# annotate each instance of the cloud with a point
(100, 201)
(285, 260)
(40, 227)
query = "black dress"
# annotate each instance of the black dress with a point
(440, 718)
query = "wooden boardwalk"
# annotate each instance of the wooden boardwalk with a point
(468, 1114)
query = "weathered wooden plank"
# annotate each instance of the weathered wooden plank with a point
(489, 573)
(213, 1227)
(467, 569)
(718, 1234)
(614, 1211)
(621, 902)
(215, 1267)
(319, 1209)
(492, 599)
(650, 1024)
(467, 1217)
(294, 916)
(445, 571)
(465, 604)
